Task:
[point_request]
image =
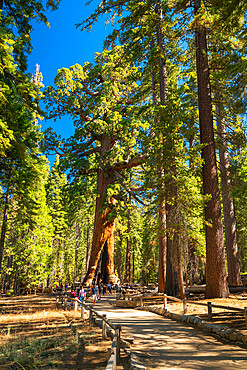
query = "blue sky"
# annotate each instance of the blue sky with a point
(62, 45)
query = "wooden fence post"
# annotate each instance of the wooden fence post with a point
(185, 306)
(76, 305)
(210, 315)
(57, 301)
(165, 302)
(82, 311)
(245, 315)
(65, 302)
(90, 317)
(118, 330)
(141, 301)
(104, 328)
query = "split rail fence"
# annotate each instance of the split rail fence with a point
(114, 351)
(144, 300)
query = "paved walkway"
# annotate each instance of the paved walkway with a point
(161, 343)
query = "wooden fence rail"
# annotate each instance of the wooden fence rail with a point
(114, 350)
(164, 298)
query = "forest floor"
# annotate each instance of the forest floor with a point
(232, 319)
(35, 335)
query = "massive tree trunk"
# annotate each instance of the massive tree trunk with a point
(111, 277)
(233, 265)
(216, 284)
(172, 277)
(103, 220)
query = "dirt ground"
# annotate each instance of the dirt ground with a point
(232, 319)
(35, 335)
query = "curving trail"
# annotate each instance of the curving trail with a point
(161, 343)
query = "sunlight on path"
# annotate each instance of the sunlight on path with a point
(161, 343)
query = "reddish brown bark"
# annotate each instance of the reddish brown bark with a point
(119, 262)
(162, 245)
(4, 225)
(233, 265)
(127, 257)
(216, 284)
(172, 278)
(111, 277)
(103, 221)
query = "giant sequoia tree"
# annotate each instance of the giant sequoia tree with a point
(216, 285)
(99, 99)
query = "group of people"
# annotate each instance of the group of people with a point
(95, 291)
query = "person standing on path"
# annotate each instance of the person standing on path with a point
(109, 288)
(94, 294)
(72, 295)
(81, 294)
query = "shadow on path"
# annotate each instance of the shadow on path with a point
(165, 344)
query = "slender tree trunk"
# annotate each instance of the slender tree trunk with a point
(161, 208)
(119, 262)
(192, 248)
(4, 224)
(193, 262)
(88, 246)
(127, 258)
(77, 240)
(216, 284)
(162, 200)
(162, 245)
(233, 265)
(133, 262)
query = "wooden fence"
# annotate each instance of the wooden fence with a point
(144, 300)
(114, 350)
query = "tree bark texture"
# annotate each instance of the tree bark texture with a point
(76, 251)
(133, 263)
(216, 284)
(4, 225)
(103, 223)
(193, 262)
(162, 245)
(88, 246)
(172, 278)
(233, 264)
(163, 87)
(127, 257)
(119, 262)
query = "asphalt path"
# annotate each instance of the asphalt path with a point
(161, 343)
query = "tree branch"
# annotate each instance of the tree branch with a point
(90, 92)
(127, 189)
(88, 152)
(133, 162)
